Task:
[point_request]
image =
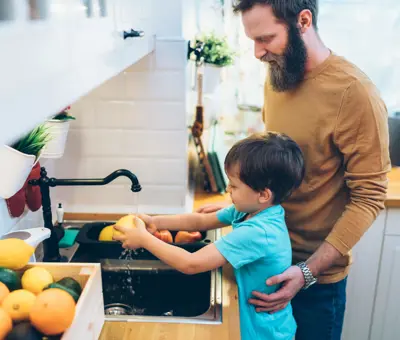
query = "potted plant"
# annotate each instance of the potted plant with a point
(58, 127)
(18, 159)
(214, 53)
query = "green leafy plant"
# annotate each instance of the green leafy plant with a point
(33, 142)
(215, 50)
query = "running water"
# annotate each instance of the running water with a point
(128, 255)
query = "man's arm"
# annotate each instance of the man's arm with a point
(187, 222)
(362, 136)
(207, 258)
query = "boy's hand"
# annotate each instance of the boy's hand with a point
(132, 238)
(150, 225)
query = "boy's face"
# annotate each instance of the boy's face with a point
(243, 197)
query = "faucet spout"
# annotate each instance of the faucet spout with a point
(53, 182)
(51, 248)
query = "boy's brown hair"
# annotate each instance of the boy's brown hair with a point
(270, 160)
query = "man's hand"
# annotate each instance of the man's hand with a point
(213, 207)
(293, 281)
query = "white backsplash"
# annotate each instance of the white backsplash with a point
(134, 121)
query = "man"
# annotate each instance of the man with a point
(333, 111)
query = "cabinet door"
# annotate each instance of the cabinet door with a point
(361, 284)
(386, 317)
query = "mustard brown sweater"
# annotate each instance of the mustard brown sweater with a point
(341, 124)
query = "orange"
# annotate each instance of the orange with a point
(18, 304)
(5, 323)
(4, 291)
(53, 311)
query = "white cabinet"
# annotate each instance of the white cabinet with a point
(386, 319)
(55, 51)
(361, 284)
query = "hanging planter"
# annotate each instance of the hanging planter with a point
(18, 160)
(58, 128)
(213, 76)
(213, 54)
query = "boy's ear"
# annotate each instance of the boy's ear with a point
(265, 196)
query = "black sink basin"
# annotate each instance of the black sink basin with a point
(141, 288)
(155, 290)
(93, 250)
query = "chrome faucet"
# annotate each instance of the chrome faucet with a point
(50, 246)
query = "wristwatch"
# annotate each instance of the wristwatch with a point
(308, 276)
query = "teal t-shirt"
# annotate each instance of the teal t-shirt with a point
(258, 248)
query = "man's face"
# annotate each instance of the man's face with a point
(280, 45)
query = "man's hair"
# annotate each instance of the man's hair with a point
(285, 10)
(268, 161)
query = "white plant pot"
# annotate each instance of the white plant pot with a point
(15, 169)
(58, 131)
(212, 78)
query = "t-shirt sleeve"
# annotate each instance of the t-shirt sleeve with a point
(243, 245)
(226, 215)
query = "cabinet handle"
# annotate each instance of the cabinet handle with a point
(133, 34)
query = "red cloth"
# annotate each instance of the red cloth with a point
(16, 203)
(32, 193)
(28, 195)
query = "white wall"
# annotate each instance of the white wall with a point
(137, 121)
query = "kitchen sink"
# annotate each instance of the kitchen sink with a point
(141, 288)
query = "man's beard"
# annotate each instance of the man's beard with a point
(287, 71)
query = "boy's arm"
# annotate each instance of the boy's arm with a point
(187, 222)
(205, 259)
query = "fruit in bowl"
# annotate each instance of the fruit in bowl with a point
(107, 233)
(164, 235)
(33, 305)
(187, 236)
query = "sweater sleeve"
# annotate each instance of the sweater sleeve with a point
(361, 135)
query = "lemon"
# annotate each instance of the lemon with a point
(36, 279)
(18, 304)
(15, 253)
(107, 233)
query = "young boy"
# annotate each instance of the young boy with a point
(263, 170)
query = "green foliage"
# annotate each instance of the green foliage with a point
(33, 142)
(215, 50)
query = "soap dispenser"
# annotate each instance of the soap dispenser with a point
(60, 214)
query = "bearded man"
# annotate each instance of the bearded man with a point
(335, 114)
